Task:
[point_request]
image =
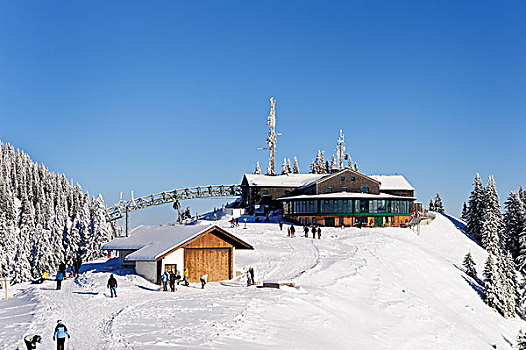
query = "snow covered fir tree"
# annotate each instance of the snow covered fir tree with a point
(501, 236)
(469, 265)
(438, 205)
(45, 220)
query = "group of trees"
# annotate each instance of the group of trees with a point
(504, 238)
(321, 166)
(44, 219)
(436, 204)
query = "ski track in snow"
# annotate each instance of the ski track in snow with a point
(355, 289)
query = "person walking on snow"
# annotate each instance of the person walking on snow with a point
(164, 277)
(60, 334)
(203, 279)
(251, 271)
(60, 277)
(112, 285)
(319, 232)
(313, 232)
(292, 231)
(185, 276)
(280, 225)
(249, 280)
(306, 230)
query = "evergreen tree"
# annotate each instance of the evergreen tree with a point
(327, 168)
(439, 207)
(284, 167)
(522, 195)
(475, 214)
(464, 210)
(521, 340)
(296, 169)
(514, 222)
(431, 205)
(510, 290)
(333, 163)
(492, 284)
(289, 168)
(492, 219)
(521, 258)
(258, 169)
(469, 265)
(355, 166)
(312, 167)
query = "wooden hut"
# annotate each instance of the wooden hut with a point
(202, 249)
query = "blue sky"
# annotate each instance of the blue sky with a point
(144, 96)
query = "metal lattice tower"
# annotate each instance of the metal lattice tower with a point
(272, 138)
(340, 150)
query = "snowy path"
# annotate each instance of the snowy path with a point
(356, 289)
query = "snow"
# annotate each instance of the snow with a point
(154, 241)
(392, 182)
(289, 180)
(370, 288)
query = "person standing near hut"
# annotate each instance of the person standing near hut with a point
(203, 279)
(292, 231)
(172, 281)
(249, 279)
(112, 285)
(280, 225)
(306, 230)
(78, 264)
(319, 232)
(185, 277)
(313, 232)
(164, 278)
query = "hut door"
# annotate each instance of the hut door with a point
(159, 269)
(378, 221)
(329, 222)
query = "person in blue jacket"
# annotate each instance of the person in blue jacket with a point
(60, 335)
(60, 277)
(165, 278)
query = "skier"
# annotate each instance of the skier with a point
(172, 281)
(112, 285)
(306, 230)
(232, 223)
(31, 341)
(292, 231)
(237, 222)
(288, 231)
(60, 334)
(280, 225)
(164, 278)
(203, 279)
(60, 277)
(185, 277)
(319, 232)
(313, 231)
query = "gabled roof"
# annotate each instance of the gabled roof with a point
(153, 242)
(289, 180)
(392, 182)
(329, 176)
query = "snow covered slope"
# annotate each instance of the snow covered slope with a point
(384, 288)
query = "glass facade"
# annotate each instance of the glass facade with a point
(347, 206)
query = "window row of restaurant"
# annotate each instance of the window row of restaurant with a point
(347, 206)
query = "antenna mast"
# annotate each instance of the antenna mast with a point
(340, 150)
(271, 139)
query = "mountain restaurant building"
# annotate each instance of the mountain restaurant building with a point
(350, 198)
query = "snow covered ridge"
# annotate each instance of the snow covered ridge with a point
(44, 219)
(369, 288)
